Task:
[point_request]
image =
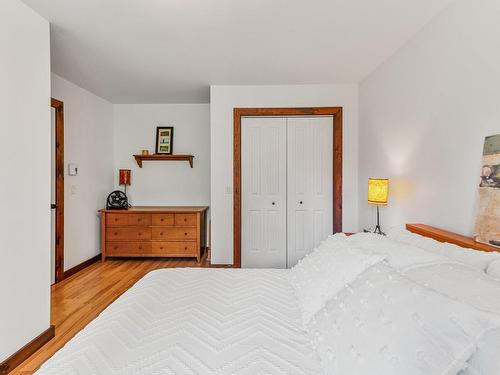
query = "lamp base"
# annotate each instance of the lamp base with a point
(378, 230)
(129, 205)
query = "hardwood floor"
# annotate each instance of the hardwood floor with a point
(79, 299)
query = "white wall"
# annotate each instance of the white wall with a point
(164, 183)
(25, 176)
(222, 101)
(424, 115)
(88, 142)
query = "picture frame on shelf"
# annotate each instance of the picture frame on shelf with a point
(164, 140)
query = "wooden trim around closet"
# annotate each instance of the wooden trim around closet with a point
(238, 113)
(59, 159)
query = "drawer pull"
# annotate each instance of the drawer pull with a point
(161, 219)
(116, 233)
(185, 219)
(139, 234)
(139, 220)
(161, 233)
(185, 248)
(140, 247)
(116, 219)
(116, 247)
(161, 247)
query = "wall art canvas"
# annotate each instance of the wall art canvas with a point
(488, 215)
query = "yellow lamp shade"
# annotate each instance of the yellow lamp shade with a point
(378, 190)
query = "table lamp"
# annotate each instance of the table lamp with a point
(378, 191)
(125, 178)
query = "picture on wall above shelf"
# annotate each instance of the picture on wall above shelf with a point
(161, 157)
(164, 140)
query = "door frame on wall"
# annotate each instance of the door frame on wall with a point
(59, 204)
(337, 124)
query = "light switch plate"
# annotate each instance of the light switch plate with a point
(72, 169)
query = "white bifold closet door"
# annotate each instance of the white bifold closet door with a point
(309, 184)
(286, 188)
(263, 197)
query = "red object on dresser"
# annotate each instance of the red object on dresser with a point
(125, 176)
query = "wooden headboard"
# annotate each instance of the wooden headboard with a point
(445, 236)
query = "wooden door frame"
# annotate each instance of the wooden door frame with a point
(337, 124)
(59, 160)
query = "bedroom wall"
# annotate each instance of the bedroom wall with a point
(222, 101)
(25, 176)
(88, 142)
(424, 115)
(164, 183)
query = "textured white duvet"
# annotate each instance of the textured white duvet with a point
(195, 321)
(395, 309)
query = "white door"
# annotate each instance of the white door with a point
(263, 192)
(309, 184)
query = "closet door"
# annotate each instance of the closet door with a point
(263, 192)
(309, 184)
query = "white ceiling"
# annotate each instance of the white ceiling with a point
(170, 51)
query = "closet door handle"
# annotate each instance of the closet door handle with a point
(301, 202)
(273, 203)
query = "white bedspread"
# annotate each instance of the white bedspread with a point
(195, 321)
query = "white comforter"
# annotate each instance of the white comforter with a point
(224, 321)
(195, 321)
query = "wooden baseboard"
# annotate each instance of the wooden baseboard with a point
(26, 351)
(209, 256)
(221, 266)
(81, 266)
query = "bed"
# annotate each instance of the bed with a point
(374, 315)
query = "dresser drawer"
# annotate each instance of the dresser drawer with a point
(124, 219)
(185, 220)
(174, 249)
(139, 220)
(163, 219)
(128, 233)
(173, 234)
(128, 249)
(116, 220)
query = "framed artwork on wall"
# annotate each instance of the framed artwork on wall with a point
(164, 140)
(487, 220)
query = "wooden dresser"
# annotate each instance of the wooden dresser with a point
(154, 232)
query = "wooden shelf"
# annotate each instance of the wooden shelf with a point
(159, 157)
